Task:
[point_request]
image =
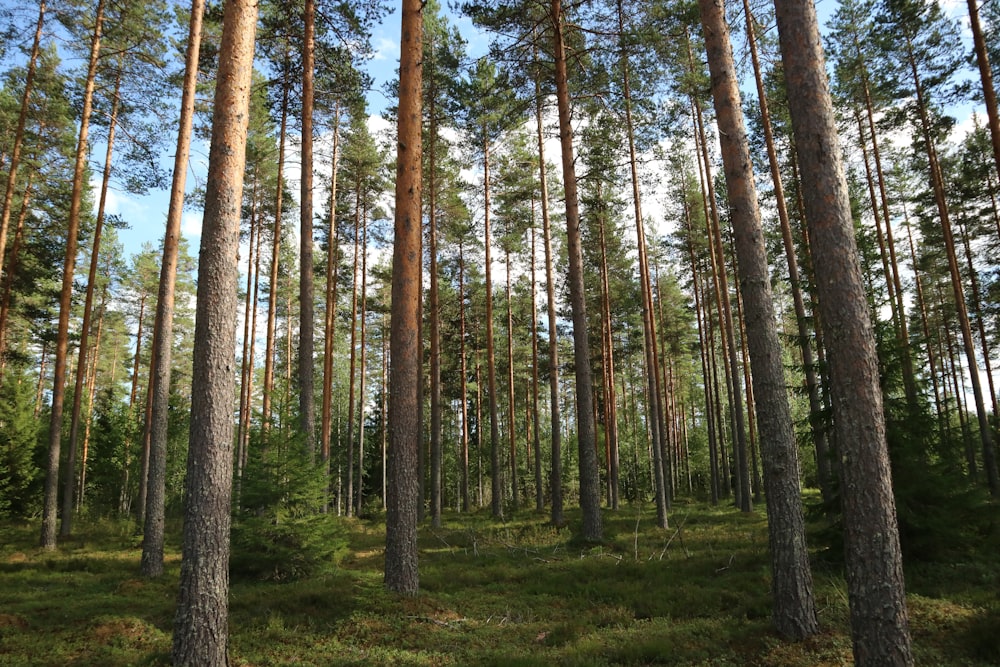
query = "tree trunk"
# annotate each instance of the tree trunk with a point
(590, 489)
(352, 382)
(51, 491)
(160, 364)
(794, 613)
(361, 381)
(272, 292)
(332, 264)
(401, 574)
(555, 478)
(69, 482)
(536, 440)
(496, 490)
(511, 435)
(307, 407)
(875, 582)
(201, 625)
(15, 154)
(986, 78)
(464, 380)
(937, 182)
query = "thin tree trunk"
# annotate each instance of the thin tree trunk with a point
(361, 382)
(307, 403)
(555, 435)
(986, 78)
(330, 323)
(272, 293)
(512, 436)
(536, 440)
(352, 382)
(464, 380)
(794, 612)
(201, 625)
(91, 392)
(590, 492)
(51, 489)
(160, 362)
(937, 181)
(22, 118)
(496, 490)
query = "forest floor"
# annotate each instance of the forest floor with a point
(519, 592)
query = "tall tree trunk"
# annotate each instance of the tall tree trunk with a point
(512, 435)
(51, 491)
(401, 574)
(22, 118)
(69, 482)
(820, 443)
(8, 278)
(536, 440)
(655, 404)
(201, 625)
(361, 381)
(91, 392)
(160, 364)
(272, 292)
(496, 490)
(986, 78)
(555, 435)
(879, 622)
(307, 407)
(434, 310)
(352, 382)
(246, 367)
(794, 613)
(610, 399)
(937, 182)
(590, 488)
(464, 391)
(332, 266)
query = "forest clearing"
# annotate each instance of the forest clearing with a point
(514, 593)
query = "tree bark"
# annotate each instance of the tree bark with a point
(51, 490)
(590, 488)
(307, 403)
(879, 622)
(401, 574)
(160, 364)
(794, 613)
(15, 154)
(69, 482)
(555, 419)
(201, 625)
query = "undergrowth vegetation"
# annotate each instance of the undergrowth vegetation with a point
(516, 593)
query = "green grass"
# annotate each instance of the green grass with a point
(514, 593)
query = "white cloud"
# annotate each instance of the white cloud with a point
(191, 225)
(385, 48)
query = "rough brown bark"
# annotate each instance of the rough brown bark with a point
(555, 419)
(332, 266)
(590, 488)
(496, 488)
(307, 402)
(201, 624)
(986, 78)
(69, 482)
(794, 612)
(160, 364)
(879, 623)
(820, 443)
(51, 491)
(401, 574)
(15, 154)
(272, 293)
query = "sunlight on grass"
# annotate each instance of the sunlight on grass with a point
(519, 592)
